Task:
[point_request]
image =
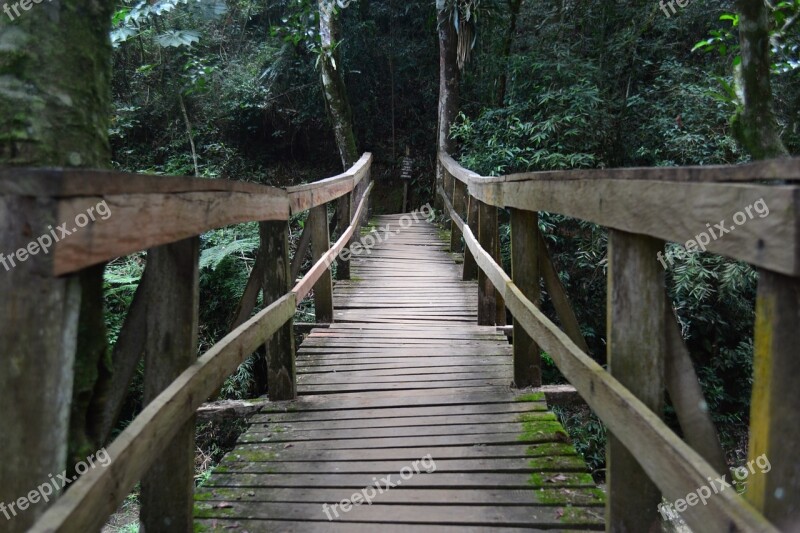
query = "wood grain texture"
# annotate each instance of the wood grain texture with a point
(774, 427)
(672, 464)
(673, 204)
(170, 347)
(635, 341)
(97, 495)
(137, 222)
(304, 197)
(320, 254)
(525, 252)
(38, 332)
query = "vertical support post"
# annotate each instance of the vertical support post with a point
(344, 210)
(170, 347)
(320, 244)
(276, 282)
(487, 238)
(636, 347)
(500, 304)
(447, 187)
(365, 215)
(456, 244)
(38, 335)
(470, 266)
(525, 273)
(775, 406)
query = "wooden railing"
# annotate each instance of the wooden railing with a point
(646, 355)
(165, 216)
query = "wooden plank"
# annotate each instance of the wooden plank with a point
(126, 354)
(673, 465)
(487, 237)
(75, 182)
(304, 197)
(460, 208)
(250, 295)
(470, 271)
(774, 428)
(675, 468)
(280, 352)
(323, 264)
(635, 340)
(687, 397)
(320, 244)
(676, 212)
(38, 332)
(302, 251)
(98, 494)
(170, 347)
(774, 169)
(133, 222)
(525, 273)
(344, 216)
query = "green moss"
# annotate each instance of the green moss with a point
(550, 448)
(250, 456)
(216, 494)
(537, 417)
(531, 397)
(199, 528)
(533, 431)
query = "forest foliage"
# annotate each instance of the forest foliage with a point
(231, 89)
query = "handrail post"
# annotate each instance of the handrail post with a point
(320, 244)
(525, 273)
(470, 271)
(458, 202)
(172, 303)
(487, 238)
(38, 335)
(636, 343)
(276, 282)
(775, 405)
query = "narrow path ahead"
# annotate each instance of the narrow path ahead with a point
(405, 403)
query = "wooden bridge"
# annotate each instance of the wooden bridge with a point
(410, 397)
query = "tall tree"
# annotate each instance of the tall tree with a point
(514, 7)
(54, 111)
(448, 81)
(333, 85)
(755, 125)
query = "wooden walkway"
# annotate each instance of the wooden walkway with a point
(407, 402)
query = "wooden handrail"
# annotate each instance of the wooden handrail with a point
(304, 197)
(676, 468)
(669, 208)
(149, 212)
(96, 495)
(304, 286)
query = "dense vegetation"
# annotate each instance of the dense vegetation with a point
(231, 89)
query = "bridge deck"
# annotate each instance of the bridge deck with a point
(406, 402)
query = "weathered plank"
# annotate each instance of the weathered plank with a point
(170, 347)
(86, 235)
(525, 273)
(275, 282)
(318, 193)
(97, 495)
(774, 428)
(636, 350)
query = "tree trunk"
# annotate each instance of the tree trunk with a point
(514, 7)
(54, 111)
(755, 126)
(333, 86)
(448, 84)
